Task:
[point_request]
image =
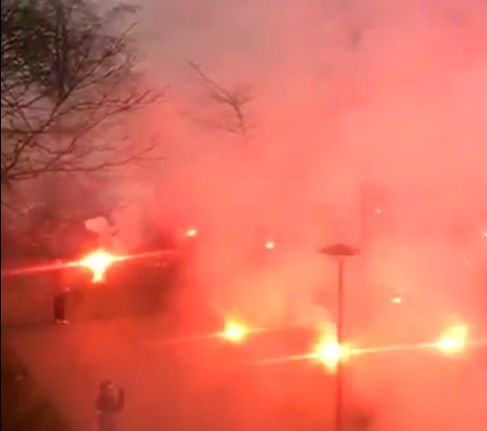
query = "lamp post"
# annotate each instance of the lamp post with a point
(341, 252)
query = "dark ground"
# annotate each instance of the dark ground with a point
(184, 386)
(25, 406)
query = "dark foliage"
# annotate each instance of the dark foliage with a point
(68, 73)
(24, 406)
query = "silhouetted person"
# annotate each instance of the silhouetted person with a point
(60, 306)
(61, 291)
(109, 403)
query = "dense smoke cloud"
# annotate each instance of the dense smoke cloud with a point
(350, 100)
(359, 106)
(368, 127)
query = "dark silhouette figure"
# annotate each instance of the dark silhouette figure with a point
(61, 291)
(60, 297)
(109, 403)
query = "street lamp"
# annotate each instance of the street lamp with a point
(340, 252)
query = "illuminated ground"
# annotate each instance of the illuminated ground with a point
(181, 386)
(206, 384)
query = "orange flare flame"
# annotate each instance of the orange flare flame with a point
(98, 263)
(191, 233)
(453, 340)
(270, 245)
(330, 353)
(235, 332)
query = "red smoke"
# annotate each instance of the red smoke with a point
(368, 127)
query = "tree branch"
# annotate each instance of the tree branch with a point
(66, 80)
(235, 100)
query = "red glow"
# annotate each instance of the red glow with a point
(365, 125)
(330, 353)
(98, 263)
(453, 340)
(235, 332)
(191, 233)
(270, 245)
(94, 259)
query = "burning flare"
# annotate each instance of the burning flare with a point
(191, 232)
(270, 245)
(330, 353)
(98, 263)
(234, 332)
(453, 340)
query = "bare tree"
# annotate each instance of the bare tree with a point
(68, 75)
(233, 100)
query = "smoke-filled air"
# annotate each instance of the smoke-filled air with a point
(311, 208)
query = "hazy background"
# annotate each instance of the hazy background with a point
(369, 122)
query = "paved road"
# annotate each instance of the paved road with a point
(194, 385)
(206, 385)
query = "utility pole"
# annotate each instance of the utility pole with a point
(339, 330)
(364, 230)
(340, 252)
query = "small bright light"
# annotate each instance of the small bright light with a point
(191, 232)
(484, 234)
(396, 300)
(330, 353)
(98, 263)
(378, 211)
(453, 340)
(270, 245)
(235, 332)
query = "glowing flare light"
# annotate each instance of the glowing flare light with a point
(270, 245)
(330, 353)
(191, 233)
(453, 340)
(235, 332)
(98, 263)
